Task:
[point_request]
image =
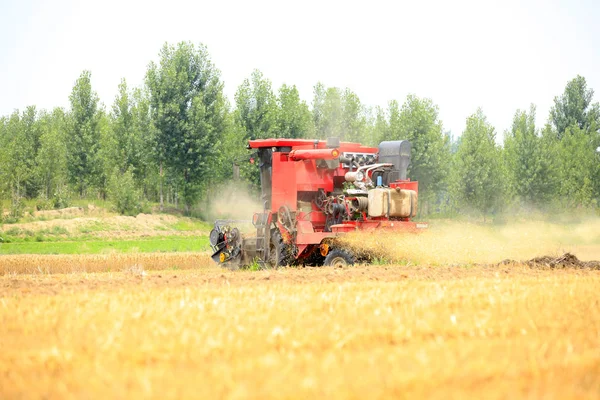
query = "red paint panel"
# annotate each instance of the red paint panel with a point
(313, 238)
(315, 216)
(284, 190)
(305, 227)
(310, 178)
(304, 144)
(255, 144)
(314, 154)
(343, 228)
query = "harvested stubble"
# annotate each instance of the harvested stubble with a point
(361, 332)
(60, 264)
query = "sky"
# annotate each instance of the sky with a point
(463, 54)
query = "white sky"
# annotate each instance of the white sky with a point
(500, 55)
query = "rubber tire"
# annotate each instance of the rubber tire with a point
(283, 256)
(339, 258)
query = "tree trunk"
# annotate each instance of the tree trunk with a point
(175, 196)
(161, 186)
(48, 184)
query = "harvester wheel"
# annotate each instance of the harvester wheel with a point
(279, 253)
(339, 258)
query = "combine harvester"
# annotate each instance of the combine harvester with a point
(315, 191)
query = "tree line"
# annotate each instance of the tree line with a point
(176, 137)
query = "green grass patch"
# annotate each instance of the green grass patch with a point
(156, 244)
(18, 235)
(95, 226)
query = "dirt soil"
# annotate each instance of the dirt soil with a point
(142, 225)
(567, 260)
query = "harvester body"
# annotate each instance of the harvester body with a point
(314, 191)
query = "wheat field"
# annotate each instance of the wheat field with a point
(360, 332)
(109, 262)
(443, 320)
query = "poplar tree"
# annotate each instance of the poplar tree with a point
(574, 108)
(293, 116)
(189, 112)
(354, 122)
(256, 107)
(418, 122)
(574, 135)
(528, 161)
(84, 135)
(51, 159)
(477, 177)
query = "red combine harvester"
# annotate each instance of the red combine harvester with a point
(313, 191)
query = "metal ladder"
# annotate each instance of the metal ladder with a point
(263, 235)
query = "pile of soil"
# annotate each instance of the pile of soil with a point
(567, 260)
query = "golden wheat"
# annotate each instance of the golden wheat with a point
(361, 332)
(67, 263)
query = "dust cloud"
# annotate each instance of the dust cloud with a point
(448, 243)
(445, 242)
(232, 201)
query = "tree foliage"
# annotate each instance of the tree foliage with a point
(339, 113)
(177, 135)
(354, 122)
(379, 127)
(574, 137)
(293, 115)
(329, 116)
(51, 159)
(132, 135)
(84, 163)
(21, 138)
(574, 108)
(256, 110)
(124, 193)
(528, 160)
(418, 122)
(477, 178)
(189, 112)
(578, 168)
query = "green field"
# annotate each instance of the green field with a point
(155, 244)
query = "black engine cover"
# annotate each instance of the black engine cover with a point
(396, 152)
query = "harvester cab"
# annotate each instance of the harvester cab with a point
(315, 191)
